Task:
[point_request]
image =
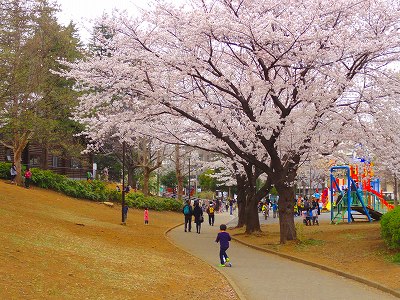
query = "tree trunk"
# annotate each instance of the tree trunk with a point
(131, 177)
(252, 220)
(241, 200)
(146, 179)
(286, 214)
(178, 171)
(17, 161)
(396, 202)
(251, 210)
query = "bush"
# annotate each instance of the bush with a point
(396, 258)
(95, 190)
(138, 200)
(390, 228)
(5, 170)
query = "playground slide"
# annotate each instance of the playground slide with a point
(383, 201)
(376, 215)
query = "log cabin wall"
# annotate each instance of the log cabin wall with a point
(33, 154)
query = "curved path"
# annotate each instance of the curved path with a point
(258, 275)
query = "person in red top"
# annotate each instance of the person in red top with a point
(28, 176)
(146, 216)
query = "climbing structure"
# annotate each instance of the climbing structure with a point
(358, 197)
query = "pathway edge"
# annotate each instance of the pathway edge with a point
(325, 268)
(235, 288)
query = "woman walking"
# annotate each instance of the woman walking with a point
(198, 216)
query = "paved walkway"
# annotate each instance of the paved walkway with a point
(253, 270)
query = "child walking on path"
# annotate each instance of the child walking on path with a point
(223, 238)
(146, 216)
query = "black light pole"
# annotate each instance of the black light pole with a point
(189, 180)
(123, 180)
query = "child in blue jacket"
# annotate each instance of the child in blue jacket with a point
(223, 239)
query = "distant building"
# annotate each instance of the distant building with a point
(35, 156)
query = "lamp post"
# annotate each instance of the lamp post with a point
(189, 179)
(309, 191)
(123, 180)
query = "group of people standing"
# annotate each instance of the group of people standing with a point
(228, 205)
(266, 206)
(27, 176)
(308, 209)
(197, 211)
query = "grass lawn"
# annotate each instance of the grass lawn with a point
(57, 247)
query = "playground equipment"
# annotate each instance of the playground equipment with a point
(356, 196)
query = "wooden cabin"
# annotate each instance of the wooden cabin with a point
(35, 156)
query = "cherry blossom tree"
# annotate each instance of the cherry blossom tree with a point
(271, 82)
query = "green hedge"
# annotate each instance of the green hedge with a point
(5, 170)
(95, 190)
(390, 228)
(138, 200)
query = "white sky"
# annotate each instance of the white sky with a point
(81, 12)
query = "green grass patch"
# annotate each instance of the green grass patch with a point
(353, 236)
(307, 243)
(396, 258)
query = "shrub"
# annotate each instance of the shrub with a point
(5, 170)
(390, 228)
(396, 258)
(95, 190)
(138, 200)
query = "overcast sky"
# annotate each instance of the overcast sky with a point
(81, 12)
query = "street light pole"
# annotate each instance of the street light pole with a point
(309, 191)
(189, 178)
(123, 180)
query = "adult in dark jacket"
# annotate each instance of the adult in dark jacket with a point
(198, 216)
(188, 212)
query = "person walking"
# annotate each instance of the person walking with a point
(274, 209)
(188, 212)
(125, 209)
(89, 176)
(13, 173)
(146, 216)
(210, 211)
(265, 210)
(198, 216)
(231, 207)
(223, 239)
(28, 176)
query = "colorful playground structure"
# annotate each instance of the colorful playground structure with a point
(354, 195)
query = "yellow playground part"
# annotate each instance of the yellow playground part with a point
(328, 206)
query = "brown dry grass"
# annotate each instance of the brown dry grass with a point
(355, 248)
(57, 247)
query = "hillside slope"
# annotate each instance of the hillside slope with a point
(57, 247)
